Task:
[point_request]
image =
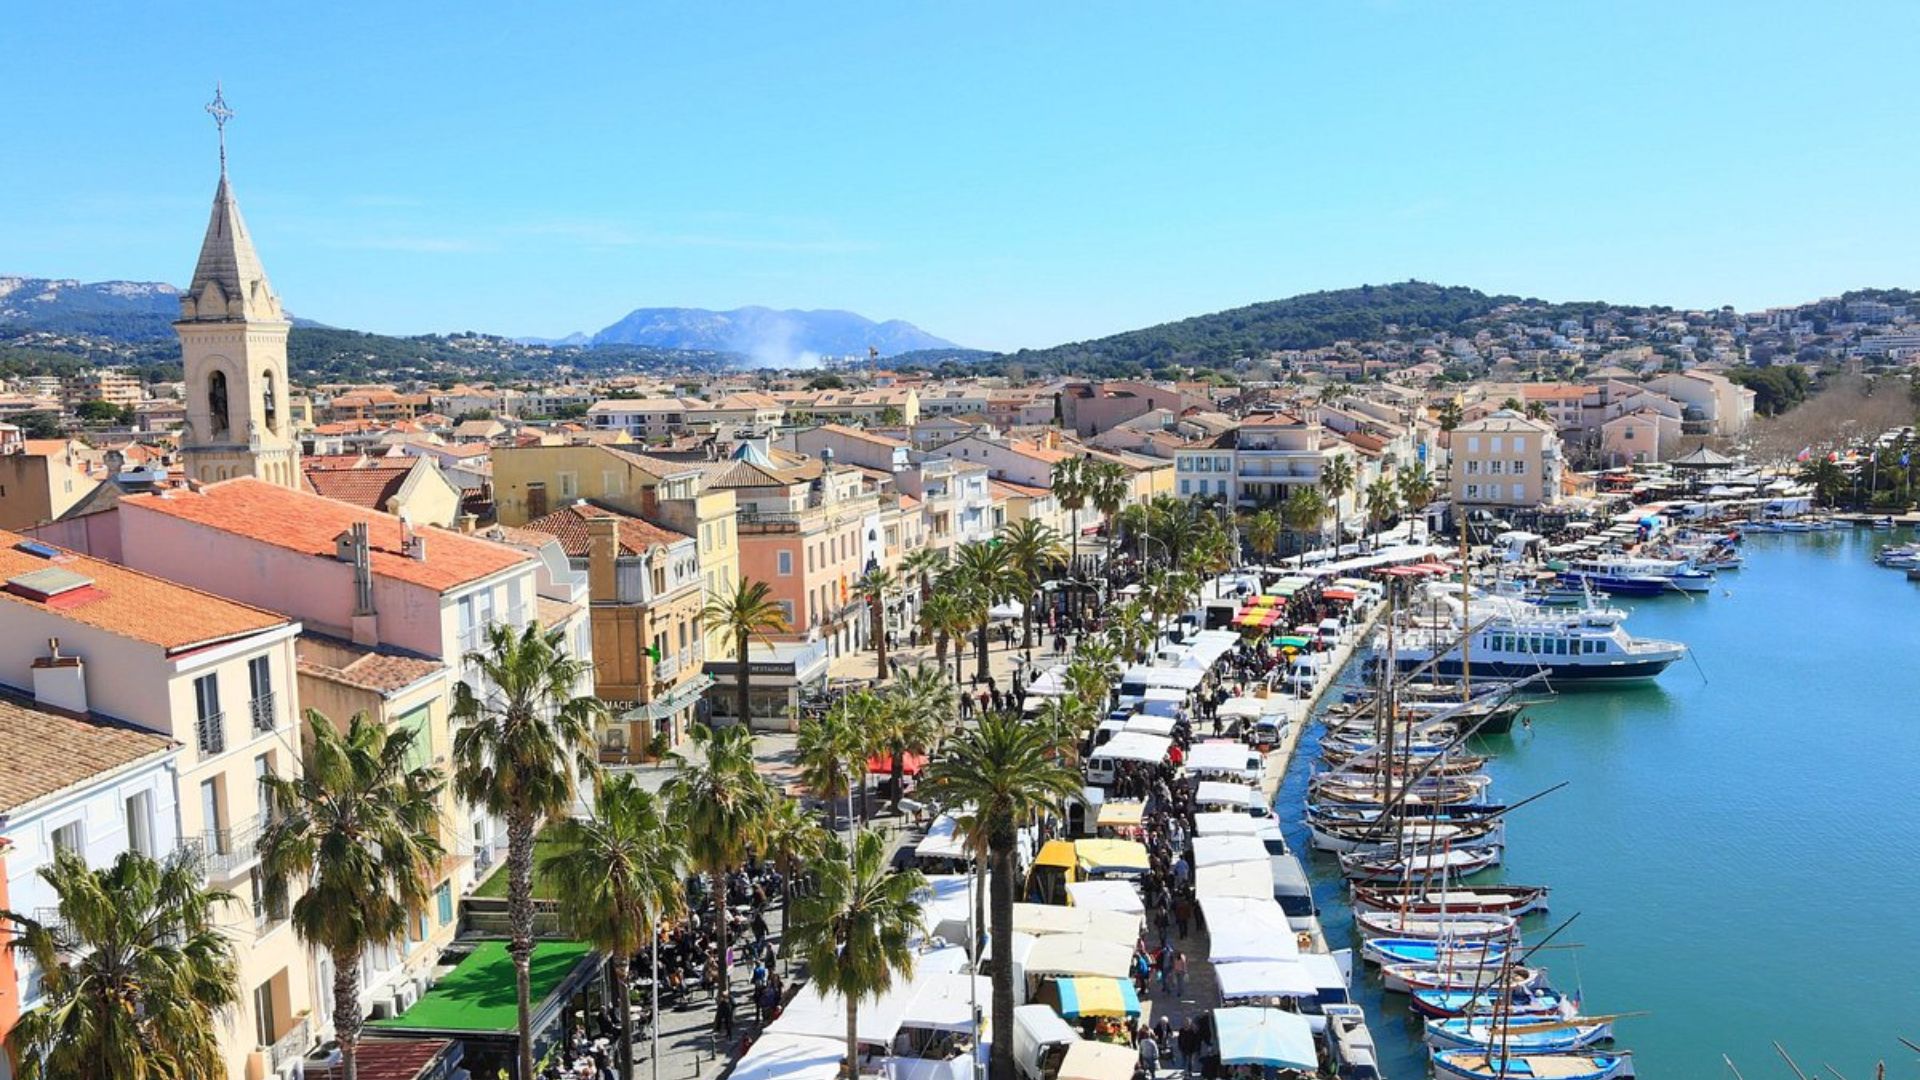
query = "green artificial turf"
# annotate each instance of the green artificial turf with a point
(478, 995)
(495, 886)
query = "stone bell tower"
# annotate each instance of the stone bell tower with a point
(233, 345)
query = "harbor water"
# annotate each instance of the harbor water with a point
(1739, 837)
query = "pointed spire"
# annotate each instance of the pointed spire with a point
(229, 284)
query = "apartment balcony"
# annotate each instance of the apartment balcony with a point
(666, 669)
(267, 916)
(293, 1044)
(210, 733)
(223, 853)
(764, 521)
(261, 711)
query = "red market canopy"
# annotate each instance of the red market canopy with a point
(910, 764)
(1341, 593)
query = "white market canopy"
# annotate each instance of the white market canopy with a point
(1179, 678)
(1211, 851)
(943, 840)
(1222, 793)
(1046, 920)
(1248, 706)
(823, 1013)
(1224, 823)
(1223, 756)
(1049, 683)
(1270, 1037)
(1090, 1060)
(1136, 746)
(1109, 895)
(781, 1056)
(1252, 880)
(1265, 979)
(1245, 929)
(1073, 955)
(1150, 725)
(944, 1002)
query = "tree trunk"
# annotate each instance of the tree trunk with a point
(853, 1036)
(741, 698)
(1000, 1066)
(1073, 572)
(346, 1010)
(1026, 621)
(520, 926)
(959, 659)
(623, 1003)
(980, 661)
(940, 650)
(880, 637)
(899, 777)
(723, 990)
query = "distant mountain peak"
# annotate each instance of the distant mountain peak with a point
(771, 337)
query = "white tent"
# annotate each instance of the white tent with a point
(1005, 612)
(1224, 756)
(1248, 706)
(1211, 851)
(945, 1002)
(1222, 793)
(1050, 919)
(1265, 979)
(1242, 929)
(1108, 895)
(943, 840)
(1253, 880)
(824, 1013)
(1090, 1060)
(1075, 955)
(1049, 683)
(1135, 746)
(946, 905)
(1143, 677)
(1223, 823)
(778, 1056)
(1150, 725)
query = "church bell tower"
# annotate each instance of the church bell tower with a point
(233, 345)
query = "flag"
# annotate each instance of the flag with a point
(653, 653)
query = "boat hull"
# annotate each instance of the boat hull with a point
(1558, 674)
(1474, 1065)
(1478, 1033)
(1529, 1001)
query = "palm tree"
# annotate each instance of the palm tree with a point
(1304, 510)
(516, 753)
(899, 728)
(1416, 488)
(1337, 477)
(359, 829)
(876, 586)
(1263, 532)
(1449, 415)
(1108, 486)
(1034, 548)
(719, 802)
(793, 840)
(830, 747)
(1001, 775)
(939, 617)
(926, 690)
(1383, 501)
(135, 974)
(855, 929)
(745, 613)
(616, 876)
(1067, 718)
(921, 565)
(1069, 483)
(984, 576)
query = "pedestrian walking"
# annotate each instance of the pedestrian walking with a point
(1150, 1056)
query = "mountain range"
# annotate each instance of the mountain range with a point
(770, 338)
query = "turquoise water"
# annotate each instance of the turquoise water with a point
(1741, 838)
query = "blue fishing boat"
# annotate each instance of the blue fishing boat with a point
(1480, 1065)
(1529, 1001)
(1431, 953)
(1518, 1034)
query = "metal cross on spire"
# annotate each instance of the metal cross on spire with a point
(217, 108)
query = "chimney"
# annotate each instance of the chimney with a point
(60, 682)
(358, 552)
(603, 552)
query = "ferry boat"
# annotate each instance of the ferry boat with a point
(1587, 646)
(1636, 577)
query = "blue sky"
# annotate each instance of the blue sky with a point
(1000, 174)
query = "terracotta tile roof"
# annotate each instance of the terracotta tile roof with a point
(47, 751)
(382, 671)
(551, 612)
(319, 462)
(569, 525)
(303, 522)
(387, 1059)
(1035, 450)
(863, 436)
(131, 604)
(1022, 490)
(370, 487)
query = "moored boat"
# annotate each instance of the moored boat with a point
(1473, 981)
(1417, 866)
(1450, 926)
(1518, 1034)
(1421, 951)
(1520, 1001)
(1481, 1065)
(1479, 899)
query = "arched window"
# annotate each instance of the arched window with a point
(217, 401)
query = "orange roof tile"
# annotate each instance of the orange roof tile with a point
(132, 604)
(370, 487)
(48, 751)
(569, 525)
(307, 523)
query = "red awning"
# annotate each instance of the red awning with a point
(1340, 593)
(910, 764)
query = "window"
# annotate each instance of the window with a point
(1519, 444)
(140, 823)
(1520, 492)
(786, 612)
(266, 1031)
(1496, 444)
(414, 722)
(260, 681)
(69, 837)
(443, 902)
(1186, 487)
(1473, 444)
(1519, 468)
(1629, 433)
(1495, 467)
(784, 565)
(610, 482)
(210, 724)
(1473, 491)
(210, 816)
(262, 772)
(1473, 468)
(570, 485)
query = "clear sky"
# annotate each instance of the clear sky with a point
(1000, 174)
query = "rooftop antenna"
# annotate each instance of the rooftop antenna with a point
(217, 108)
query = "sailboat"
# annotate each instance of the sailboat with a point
(1519, 1035)
(1482, 1065)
